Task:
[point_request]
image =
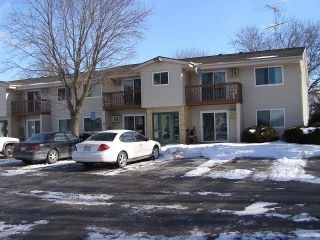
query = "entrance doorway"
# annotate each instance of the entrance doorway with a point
(166, 127)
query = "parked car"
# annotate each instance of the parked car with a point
(118, 146)
(6, 146)
(49, 146)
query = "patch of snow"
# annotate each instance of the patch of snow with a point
(7, 230)
(231, 174)
(153, 208)
(252, 131)
(204, 168)
(308, 130)
(257, 208)
(307, 234)
(215, 193)
(69, 198)
(304, 217)
(33, 168)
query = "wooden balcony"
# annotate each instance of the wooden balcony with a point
(226, 93)
(26, 108)
(121, 100)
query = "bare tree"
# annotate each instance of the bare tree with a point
(189, 53)
(284, 33)
(72, 39)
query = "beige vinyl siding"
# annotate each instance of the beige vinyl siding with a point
(168, 95)
(3, 100)
(60, 111)
(286, 96)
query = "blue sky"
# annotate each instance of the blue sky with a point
(203, 24)
(210, 24)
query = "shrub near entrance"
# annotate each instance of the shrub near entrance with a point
(259, 134)
(303, 135)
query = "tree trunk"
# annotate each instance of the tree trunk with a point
(74, 124)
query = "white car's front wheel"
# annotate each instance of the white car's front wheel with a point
(122, 159)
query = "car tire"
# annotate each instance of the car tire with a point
(122, 159)
(8, 151)
(155, 152)
(52, 156)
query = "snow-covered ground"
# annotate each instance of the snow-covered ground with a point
(287, 163)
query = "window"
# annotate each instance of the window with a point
(135, 122)
(273, 118)
(64, 125)
(92, 125)
(95, 90)
(161, 78)
(267, 76)
(63, 94)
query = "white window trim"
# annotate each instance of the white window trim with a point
(157, 85)
(136, 115)
(269, 85)
(89, 118)
(213, 71)
(99, 93)
(58, 129)
(201, 124)
(273, 109)
(32, 120)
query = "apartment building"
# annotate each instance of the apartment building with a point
(204, 99)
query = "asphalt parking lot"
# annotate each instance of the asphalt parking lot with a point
(154, 200)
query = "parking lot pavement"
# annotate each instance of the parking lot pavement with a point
(176, 199)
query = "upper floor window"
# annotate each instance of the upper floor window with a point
(269, 75)
(273, 118)
(63, 94)
(161, 78)
(95, 89)
(215, 77)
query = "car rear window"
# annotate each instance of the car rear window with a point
(102, 137)
(40, 137)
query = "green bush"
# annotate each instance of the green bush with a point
(302, 135)
(314, 118)
(259, 134)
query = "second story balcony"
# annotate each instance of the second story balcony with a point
(121, 100)
(225, 93)
(26, 108)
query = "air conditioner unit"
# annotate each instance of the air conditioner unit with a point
(234, 71)
(115, 118)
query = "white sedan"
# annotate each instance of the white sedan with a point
(118, 146)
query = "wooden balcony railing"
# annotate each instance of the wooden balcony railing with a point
(36, 107)
(225, 93)
(121, 100)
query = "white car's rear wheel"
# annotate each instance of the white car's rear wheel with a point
(8, 151)
(122, 159)
(155, 152)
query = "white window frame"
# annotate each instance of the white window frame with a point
(213, 71)
(100, 93)
(153, 73)
(62, 120)
(214, 111)
(65, 94)
(27, 128)
(273, 109)
(136, 115)
(272, 84)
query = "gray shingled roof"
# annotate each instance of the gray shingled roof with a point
(236, 57)
(245, 56)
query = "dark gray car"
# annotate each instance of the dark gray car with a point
(49, 146)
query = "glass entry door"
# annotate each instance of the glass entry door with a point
(215, 126)
(166, 127)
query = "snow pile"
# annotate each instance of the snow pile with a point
(257, 208)
(7, 230)
(69, 198)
